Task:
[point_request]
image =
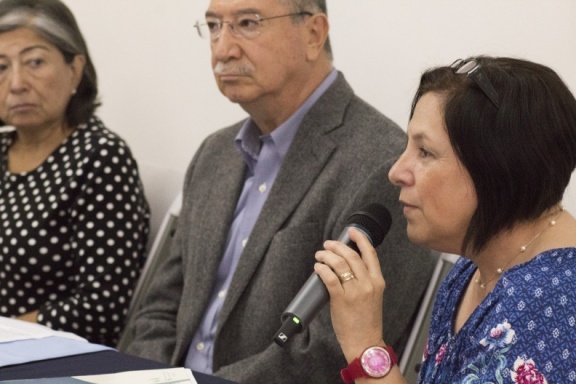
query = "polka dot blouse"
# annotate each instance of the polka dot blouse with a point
(73, 234)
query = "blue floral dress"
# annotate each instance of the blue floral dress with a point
(523, 332)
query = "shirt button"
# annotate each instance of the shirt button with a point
(262, 188)
(200, 346)
(222, 293)
(244, 242)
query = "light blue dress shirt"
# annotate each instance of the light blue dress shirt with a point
(264, 155)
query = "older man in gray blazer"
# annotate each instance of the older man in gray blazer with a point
(261, 196)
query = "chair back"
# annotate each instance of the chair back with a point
(159, 251)
(414, 351)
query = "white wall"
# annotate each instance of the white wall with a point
(158, 92)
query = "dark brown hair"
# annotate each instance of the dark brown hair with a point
(521, 155)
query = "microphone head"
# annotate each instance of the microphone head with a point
(375, 219)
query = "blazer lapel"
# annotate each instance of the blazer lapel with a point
(215, 214)
(308, 154)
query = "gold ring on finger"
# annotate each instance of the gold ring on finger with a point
(346, 276)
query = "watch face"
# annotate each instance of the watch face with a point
(376, 362)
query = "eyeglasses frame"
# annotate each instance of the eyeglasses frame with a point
(473, 69)
(234, 27)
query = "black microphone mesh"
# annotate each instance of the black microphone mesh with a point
(376, 219)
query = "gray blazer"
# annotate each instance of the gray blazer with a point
(338, 161)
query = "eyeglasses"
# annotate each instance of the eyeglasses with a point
(248, 26)
(473, 69)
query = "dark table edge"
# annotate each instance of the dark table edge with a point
(94, 363)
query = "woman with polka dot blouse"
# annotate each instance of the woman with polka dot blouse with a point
(73, 216)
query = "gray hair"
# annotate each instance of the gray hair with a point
(312, 6)
(41, 24)
(55, 23)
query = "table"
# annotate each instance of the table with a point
(91, 364)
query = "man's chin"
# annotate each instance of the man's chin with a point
(236, 97)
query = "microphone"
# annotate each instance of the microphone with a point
(374, 221)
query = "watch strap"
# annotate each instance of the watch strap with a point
(393, 357)
(353, 371)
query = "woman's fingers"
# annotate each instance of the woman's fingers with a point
(369, 256)
(356, 304)
(329, 278)
(342, 258)
(341, 264)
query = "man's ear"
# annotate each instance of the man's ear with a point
(318, 28)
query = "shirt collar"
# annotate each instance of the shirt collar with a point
(249, 138)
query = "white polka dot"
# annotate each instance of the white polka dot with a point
(55, 236)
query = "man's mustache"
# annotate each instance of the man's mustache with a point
(232, 69)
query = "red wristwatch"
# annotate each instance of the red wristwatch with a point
(375, 362)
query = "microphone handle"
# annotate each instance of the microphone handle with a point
(306, 305)
(310, 299)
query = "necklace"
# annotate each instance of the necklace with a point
(500, 271)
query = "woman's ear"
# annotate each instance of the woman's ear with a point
(77, 67)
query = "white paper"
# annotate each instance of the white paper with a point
(152, 376)
(23, 342)
(14, 330)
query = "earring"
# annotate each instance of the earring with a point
(74, 91)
